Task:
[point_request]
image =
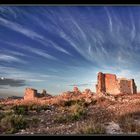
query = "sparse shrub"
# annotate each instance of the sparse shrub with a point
(61, 119)
(91, 128)
(12, 123)
(1, 115)
(34, 121)
(35, 107)
(76, 112)
(1, 106)
(45, 107)
(20, 110)
(31, 107)
(128, 124)
(7, 107)
(73, 102)
(69, 102)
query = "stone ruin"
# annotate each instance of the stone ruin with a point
(76, 90)
(106, 84)
(109, 83)
(32, 94)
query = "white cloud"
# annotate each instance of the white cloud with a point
(9, 58)
(6, 51)
(42, 53)
(19, 28)
(109, 19)
(31, 34)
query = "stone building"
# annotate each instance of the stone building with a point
(31, 94)
(109, 83)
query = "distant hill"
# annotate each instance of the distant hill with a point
(5, 95)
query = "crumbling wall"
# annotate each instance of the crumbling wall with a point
(111, 83)
(108, 83)
(100, 87)
(30, 94)
(133, 87)
(125, 86)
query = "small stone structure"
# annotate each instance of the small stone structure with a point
(31, 94)
(76, 90)
(87, 91)
(109, 83)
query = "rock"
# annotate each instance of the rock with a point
(48, 111)
(113, 128)
(42, 120)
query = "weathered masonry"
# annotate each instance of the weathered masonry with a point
(109, 83)
(32, 94)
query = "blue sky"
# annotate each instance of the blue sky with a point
(56, 47)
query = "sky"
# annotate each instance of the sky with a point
(58, 47)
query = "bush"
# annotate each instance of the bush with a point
(13, 123)
(37, 108)
(34, 121)
(1, 115)
(20, 110)
(61, 119)
(73, 102)
(76, 112)
(23, 109)
(95, 128)
(45, 107)
(1, 106)
(128, 124)
(69, 102)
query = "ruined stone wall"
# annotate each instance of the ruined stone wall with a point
(100, 87)
(133, 87)
(111, 83)
(124, 86)
(30, 94)
(108, 83)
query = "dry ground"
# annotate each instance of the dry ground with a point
(102, 115)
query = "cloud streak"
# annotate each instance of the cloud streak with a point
(83, 84)
(9, 58)
(12, 82)
(19, 28)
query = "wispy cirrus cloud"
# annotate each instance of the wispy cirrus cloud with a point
(10, 52)
(41, 53)
(109, 19)
(31, 34)
(83, 84)
(10, 58)
(19, 28)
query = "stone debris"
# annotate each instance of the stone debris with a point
(113, 128)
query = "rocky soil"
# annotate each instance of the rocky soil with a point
(81, 114)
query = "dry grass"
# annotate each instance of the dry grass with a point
(74, 113)
(91, 127)
(128, 123)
